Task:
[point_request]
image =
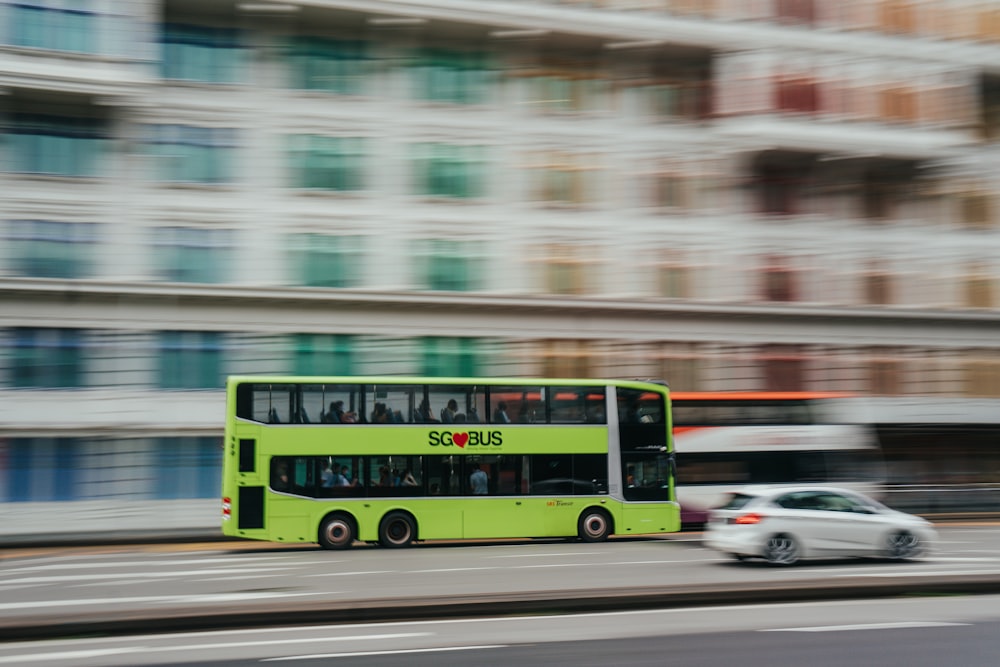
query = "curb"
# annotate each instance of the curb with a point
(500, 604)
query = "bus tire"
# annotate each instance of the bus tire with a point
(338, 531)
(397, 530)
(594, 525)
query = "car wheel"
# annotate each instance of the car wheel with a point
(396, 530)
(337, 532)
(594, 526)
(781, 550)
(903, 545)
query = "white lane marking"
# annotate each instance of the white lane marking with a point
(932, 573)
(868, 626)
(159, 599)
(65, 655)
(142, 563)
(397, 652)
(553, 555)
(60, 578)
(347, 574)
(75, 655)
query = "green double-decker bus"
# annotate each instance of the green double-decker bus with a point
(393, 460)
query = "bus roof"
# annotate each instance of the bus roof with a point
(449, 381)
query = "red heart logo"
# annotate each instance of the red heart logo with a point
(460, 439)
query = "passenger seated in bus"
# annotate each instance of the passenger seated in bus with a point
(344, 479)
(380, 415)
(383, 477)
(425, 415)
(407, 479)
(473, 416)
(500, 415)
(333, 415)
(327, 477)
(449, 411)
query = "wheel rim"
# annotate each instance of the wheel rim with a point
(338, 532)
(781, 550)
(398, 531)
(903, 545)
(595, 525)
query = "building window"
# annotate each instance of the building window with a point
(446, 170)
(187, 468)
(60, 25)
(199, 53)
(190, 360)
(795, 12)
(58, 145)
(327, 163)
(183, 153)
(784, 368)
(325, 260)
(565, 270)
(982, 375)
(567, 359)
(192, 255)
(779, 280)
(562, 179)
(40, 470)
(673, 277)
(452, 77)
(558, 90)
(978, 287)
(47, 249)
(450, 357)
(878, 287)
(885, 377)
(797, 94)
(325, 354)
(47, 358)
(681, 373)
(976, 209)
(332, 65)
(451, 266)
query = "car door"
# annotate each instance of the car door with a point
(845, 526)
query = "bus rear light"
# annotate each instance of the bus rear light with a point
(227, 509)
(748, 519)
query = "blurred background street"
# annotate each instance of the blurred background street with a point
(730, 195)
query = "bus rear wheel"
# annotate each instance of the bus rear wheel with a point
(594, 525)
(337, 532)
(396, 530)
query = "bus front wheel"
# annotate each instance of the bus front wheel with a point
(396, 530)
(337, 532)
(594, 526)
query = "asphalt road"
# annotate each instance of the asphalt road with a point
(914, 632)
(131, 589)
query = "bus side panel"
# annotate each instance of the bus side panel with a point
(643, 519)
(501, 517)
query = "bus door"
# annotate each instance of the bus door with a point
(646, 465)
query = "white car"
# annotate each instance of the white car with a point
(787, 523)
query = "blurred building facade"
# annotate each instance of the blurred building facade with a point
(728, 194)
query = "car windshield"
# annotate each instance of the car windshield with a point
(736, 501)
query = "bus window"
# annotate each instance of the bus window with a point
(639, 407)
(524, 405)
(456, 404)
(576, 405)
(394, 404)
